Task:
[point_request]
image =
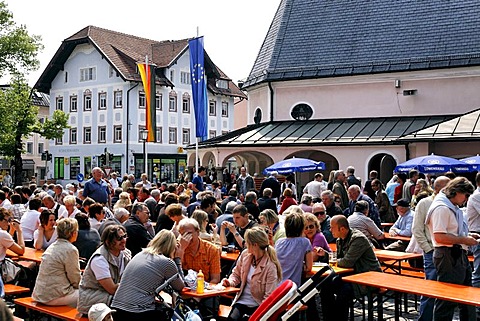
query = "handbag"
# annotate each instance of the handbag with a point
(10, 270)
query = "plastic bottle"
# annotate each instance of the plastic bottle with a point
(200, 282)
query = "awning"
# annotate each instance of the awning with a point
(342, 131)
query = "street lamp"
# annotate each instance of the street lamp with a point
(144, 134)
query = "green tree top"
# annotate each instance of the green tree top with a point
(18, 49)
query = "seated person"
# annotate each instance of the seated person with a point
(202, 218)
(105, 269)
(316, 238)
(150, 268)
(46, 233)
(96, 215)
(237, 230)
(294, 251)
(138, 235)
(59, 274)
(319, 210)
(403, 225)
(6, 240)
(360, 220)
(353, 251)
(269, 218)
(257, 272)
(88, 238)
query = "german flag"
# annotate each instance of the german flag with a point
(147, 72)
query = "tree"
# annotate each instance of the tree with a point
(19, 121)
(18, 49)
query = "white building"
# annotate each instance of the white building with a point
(93, 77)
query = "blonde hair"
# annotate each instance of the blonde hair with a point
(123, 200)
(70, 200)
(66, 227)
(309, 217)
(200, 216)
(257, 235)
(163, 243)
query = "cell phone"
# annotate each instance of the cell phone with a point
(16, 221)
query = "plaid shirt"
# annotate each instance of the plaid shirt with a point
(206, 259)
(18, 210)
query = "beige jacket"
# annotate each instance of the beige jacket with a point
(59, 273)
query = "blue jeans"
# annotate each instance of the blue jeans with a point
(476, 269)
(427, 304)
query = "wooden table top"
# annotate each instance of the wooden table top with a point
(229, 256)
(385, 255)
(337, 270)
(188, 293)
(396, 238)
(30, 254)
(434, 289)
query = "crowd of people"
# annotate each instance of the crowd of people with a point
(130, 235)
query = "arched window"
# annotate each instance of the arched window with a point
(258, 116)
(302, 112)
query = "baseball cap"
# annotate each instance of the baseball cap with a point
(403, 202)
(98, 311)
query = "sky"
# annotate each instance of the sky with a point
(233, 30)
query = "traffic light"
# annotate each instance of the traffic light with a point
(103, 159)
(49, 156)
(46, 156)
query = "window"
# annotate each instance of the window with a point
(73, 103)
(258, 116)
(118, 99)
(172, 102)
(111, 72)
(87, 101)
(186, 103)
(224, 109)
(222, 84)
(212, 134)
(29, 148)
(87, 135)
(117, 134)
(59, 141)
(212, 108)
(66, 77)
(59, 103)
(102, 134)
(224, 132)
(141, 100)
(185, 77)
(186, 136)
(172, 135)
(87, 74)
(73, 135)
(41, 148)
(302, 112)
(159, 135)
(74, 167)
(172, 74)
(102, 101)
(158, 101)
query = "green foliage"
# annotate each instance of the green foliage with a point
(18, 49)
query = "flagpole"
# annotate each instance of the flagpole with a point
(197, 158)
(146, 117)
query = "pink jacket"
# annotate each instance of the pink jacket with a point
(264, 278)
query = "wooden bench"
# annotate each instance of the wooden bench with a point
(12, 289)
(63, 312)
(224, 310)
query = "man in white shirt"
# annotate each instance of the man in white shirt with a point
(58, 209)
(316, 187)
(113, 180)
(30, 221)
(4, 202)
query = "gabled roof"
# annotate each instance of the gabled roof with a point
(313, 39)
(123, 52)
(324, 132)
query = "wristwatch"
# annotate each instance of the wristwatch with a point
(237, 234)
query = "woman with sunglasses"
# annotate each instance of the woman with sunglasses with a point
(104, 269)
(6, 239)
(316, 238)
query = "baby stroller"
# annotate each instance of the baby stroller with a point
(177, 310)
(275, 306)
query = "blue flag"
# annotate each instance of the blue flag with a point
(199, 87)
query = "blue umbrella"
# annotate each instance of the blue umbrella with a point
(294, 165)
(433, 164)
(473, 161)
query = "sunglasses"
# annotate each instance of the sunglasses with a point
(310, 227)
(319, 213)
(123, 237)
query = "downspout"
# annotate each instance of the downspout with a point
(407, 152)
(271, 100)
(128, 127)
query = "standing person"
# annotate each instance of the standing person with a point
(339, 188)
(353, 251)
(289, 183)
(451, 240)
(390, 189)
(316, 187)
(258, 272)
(114, 180)
(135, 296)
(367, 189)
(104, 269)
(409, 186)
(197, 182)
(7, 180)
(96, 188)
(351, 179)
(385, 209)
(295, 251)
(423, 237)
(397, 194)
(272, 182)
(473, 214)
(244, 182)
(59, 274)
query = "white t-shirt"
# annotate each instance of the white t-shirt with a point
(443, 221)
(246, 298)
(45, 242)
(6, 241)
(29, 223)
(100, 268)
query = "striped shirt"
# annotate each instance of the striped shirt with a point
(142, 276)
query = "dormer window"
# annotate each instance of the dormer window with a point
(302, 112)
(221, 83)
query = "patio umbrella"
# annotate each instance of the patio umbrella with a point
(294, 165)
(433, 164)
(473, 161)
